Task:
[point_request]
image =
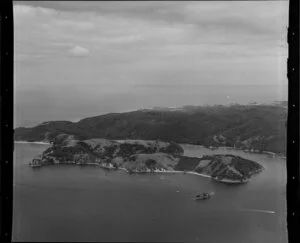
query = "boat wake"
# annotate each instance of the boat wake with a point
(257, 210)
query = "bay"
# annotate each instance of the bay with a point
(75, 203)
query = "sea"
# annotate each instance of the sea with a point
(70, 203)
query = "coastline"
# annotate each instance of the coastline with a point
(279, 155)
(251, 151)
(227, 181)
(155, 172)
(204, 175)
(109, 166)
(37, 142)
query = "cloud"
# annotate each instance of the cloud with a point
(79, 51)
(23, 11)
(81, 25)
(154, 37)
(20, 10)
(205, 22)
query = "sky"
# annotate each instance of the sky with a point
(79, 59)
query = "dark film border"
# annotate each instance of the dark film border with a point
(292, 187)
(6, 128)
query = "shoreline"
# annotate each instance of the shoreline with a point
(37, 142)
(228, 181)
(251, 151)
(202, 175)
(189, 144)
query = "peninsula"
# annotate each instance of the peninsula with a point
(246, 127)
(142, 156)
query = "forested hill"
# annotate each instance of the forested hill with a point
(259, 127)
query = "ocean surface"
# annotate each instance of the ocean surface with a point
(73, 203)
(52, 103)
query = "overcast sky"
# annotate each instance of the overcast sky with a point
(79, 59)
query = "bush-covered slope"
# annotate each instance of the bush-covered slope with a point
(66, 150)
(253, 127)
(220, 167)
(144, 156)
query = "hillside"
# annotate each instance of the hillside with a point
(136, 156)
(220, 167)
(130, 154)
(258, 127)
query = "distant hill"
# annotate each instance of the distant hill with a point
(258, 127)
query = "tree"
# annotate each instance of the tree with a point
(151, 163)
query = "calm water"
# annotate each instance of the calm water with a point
(72, 203)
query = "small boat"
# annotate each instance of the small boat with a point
(202, 196)
(35, 165)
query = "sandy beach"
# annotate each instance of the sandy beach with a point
(44, 143)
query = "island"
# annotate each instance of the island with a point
(144, 156)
